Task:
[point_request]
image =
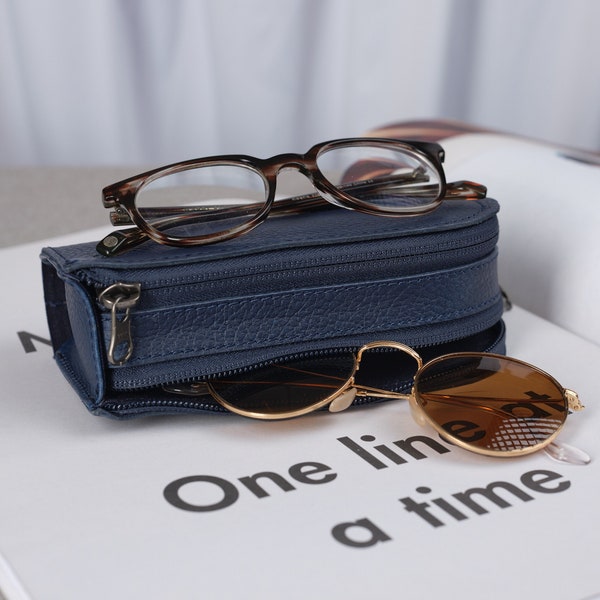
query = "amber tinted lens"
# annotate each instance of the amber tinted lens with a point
(285, 387)
(490, 402)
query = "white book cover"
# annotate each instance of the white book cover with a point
(549, 215)
(350, 505)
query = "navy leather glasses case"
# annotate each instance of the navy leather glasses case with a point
(123, 327)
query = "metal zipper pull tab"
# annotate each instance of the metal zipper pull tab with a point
(120, 298)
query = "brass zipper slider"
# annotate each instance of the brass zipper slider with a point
(120, 298)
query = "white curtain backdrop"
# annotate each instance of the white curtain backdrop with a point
(98, 82)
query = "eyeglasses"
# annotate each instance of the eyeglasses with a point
(213, 199)
(487, 403)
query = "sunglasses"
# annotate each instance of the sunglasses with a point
(208, 200)
(486, 403)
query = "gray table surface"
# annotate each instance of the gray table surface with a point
(38, 203)
(42, 202)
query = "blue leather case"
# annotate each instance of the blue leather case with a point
(296, 284)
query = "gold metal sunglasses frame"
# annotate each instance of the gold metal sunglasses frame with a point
(344, 395)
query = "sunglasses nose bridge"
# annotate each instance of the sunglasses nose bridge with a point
(393, 345)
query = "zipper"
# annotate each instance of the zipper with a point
(192, 394)
(120, 298)
(179, 288)
(189, 272)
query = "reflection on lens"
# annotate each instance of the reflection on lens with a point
(205, 200)
(284, 388)
(390, 179)
(491, 402)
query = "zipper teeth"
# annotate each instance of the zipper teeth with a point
(419, 254)
(479, 239)
(300, 356)
(215, 407)
(121, 407)
(316, 270)
(190, 404)
(145, 384)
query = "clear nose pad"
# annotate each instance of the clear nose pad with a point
(416, 412)
(343, 401)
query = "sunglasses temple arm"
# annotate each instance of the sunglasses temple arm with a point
(378, 393)
(285, 205)
(416, 411)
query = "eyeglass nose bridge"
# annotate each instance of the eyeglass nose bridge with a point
(306, 165)
(289, 160)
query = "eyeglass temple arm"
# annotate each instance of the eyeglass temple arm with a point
(123, 240)
(292, 204)
(455, 190)
(465, 190)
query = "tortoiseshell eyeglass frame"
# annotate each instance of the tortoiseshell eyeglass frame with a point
(121, 196)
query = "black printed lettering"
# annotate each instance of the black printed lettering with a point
(260, 485)
(408, 446)
(478, 500)
(362, 533)
(228, 490)
(27, 340)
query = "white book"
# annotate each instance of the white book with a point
(549, 215)
(214, 506)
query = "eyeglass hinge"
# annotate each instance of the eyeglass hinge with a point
(120, 298)
(573, 400)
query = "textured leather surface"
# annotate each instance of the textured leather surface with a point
(309, 232)
(251, 322)
(309, 282)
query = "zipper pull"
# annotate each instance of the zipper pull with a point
(120, 297)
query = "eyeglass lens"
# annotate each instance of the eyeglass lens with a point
(397, 179)
(215, 197)
(492, 403)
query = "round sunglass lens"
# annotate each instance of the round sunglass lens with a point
(490, 402)
(284, 389)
